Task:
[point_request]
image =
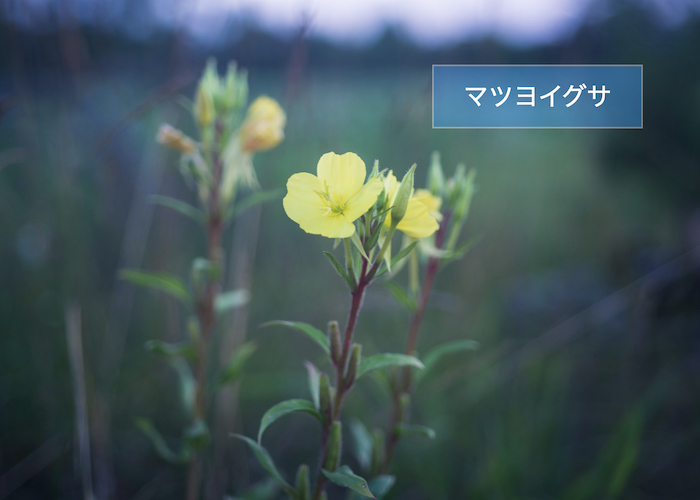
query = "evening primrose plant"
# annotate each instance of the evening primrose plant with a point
(220, 167)
(340, 202)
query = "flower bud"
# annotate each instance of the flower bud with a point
(235, 89)
(302, 484)
(461, 209)
(175, 139)
(454, 185)
(263, 127)
(204, 106)
(333, 447)
(334, 338)
(436, 179)
(353, 364)
(402, 196)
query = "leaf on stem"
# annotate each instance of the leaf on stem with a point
(404, 429)
(252, 200)
(431, 359)
(314, 382)
(235, 366)
(183, 349)
(179, 206)
(282, 409)
(403, 253)
(314, 333)
(401, 296)
(363, 443)
(339, 269)
(266, 461)
(187, 383)
(377, 361)
(231, 300)
(159, 444)
(158, 281)
(355, 239)
(346, 478)
(379, 485)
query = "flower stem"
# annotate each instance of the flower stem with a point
(403, 381)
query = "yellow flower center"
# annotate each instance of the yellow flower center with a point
(334, 202)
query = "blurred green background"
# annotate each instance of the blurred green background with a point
(584, 289)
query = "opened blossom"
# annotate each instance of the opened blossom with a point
(417, 222)
(329, 202)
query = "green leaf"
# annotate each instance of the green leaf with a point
(379, 485)
(159, 281)
(183, 349)
(404, 429)
(383, 360)
(252, 200)
(461, 251)
(355, 239)
(235, 366)
(339, 269)
(403, 253)
(266, 461)
(314, 333)
(363, 443)
(438, 352)
(346, 478)
(282, 409)
(187, 383)
(314, 384)
(159, 444)
(231, 300)
(179, 206)
(401, 296)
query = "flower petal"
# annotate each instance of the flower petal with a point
(417, 223)
(363, 200)
(344, 175)
(305, 207)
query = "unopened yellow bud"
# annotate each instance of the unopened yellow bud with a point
(204, 105)
(173, 138)
(263, 127)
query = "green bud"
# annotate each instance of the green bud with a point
(353, 364)
(333, 448)
(461, 209)
(436, 179)
(207, 92)
(302, 484)
(402, 197)
(375, 170)
(454, 185)
(334, 339)
(235, 89)
(324, 397)
(378, 447)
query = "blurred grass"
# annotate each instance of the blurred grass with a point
(558, 234)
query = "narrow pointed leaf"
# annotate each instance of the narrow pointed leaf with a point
(314, 333)
(252, 200)
(314, 384)
(159, 281)
(187, 383)
(404, 429)
(235, 366)
(266, 461)
(401, 296)
(403, 253)
(159, 444)
(383, 360)
(431, 359)
(362, 440)
(282, 409)
(346, 478)
(183, 349)
(231, 300)
(179, 206)
(379, 485)
(355, 239)
(339, 269)
(462, 250)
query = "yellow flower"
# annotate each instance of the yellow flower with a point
(263, 127)
(329, 203)
(175, 139)
(432, 203)
(417, 223)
